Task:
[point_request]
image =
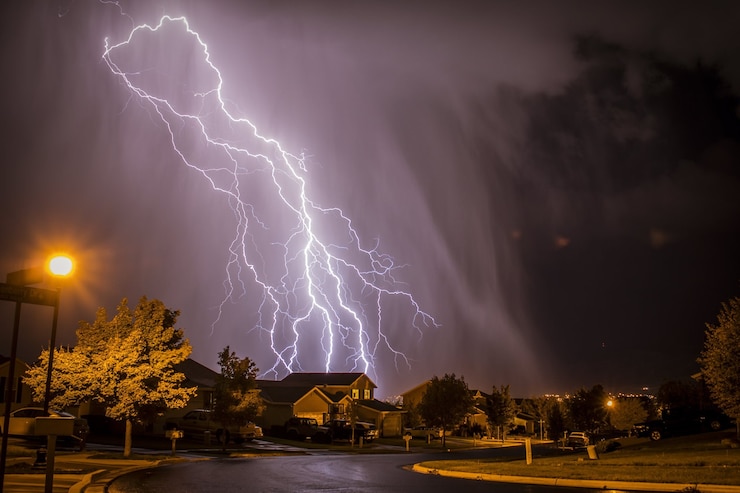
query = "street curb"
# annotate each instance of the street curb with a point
(80, 486)
(578, 483)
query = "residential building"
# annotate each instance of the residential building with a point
(20, 393)
(326, 396)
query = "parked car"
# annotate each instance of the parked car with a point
(577, 439)
(341, 429)
(23, 423)
(676, 422)
(425, 432)
(200, 421)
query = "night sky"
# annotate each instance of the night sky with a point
(557, 183)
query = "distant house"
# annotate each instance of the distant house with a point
(326, 396)
(20, 393)
(412, 398)
(477, 418)
(200, 377)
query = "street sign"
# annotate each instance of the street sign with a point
(28, 294)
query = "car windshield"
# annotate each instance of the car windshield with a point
(62, 414)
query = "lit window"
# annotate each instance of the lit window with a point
(355, 393)
(367, 394)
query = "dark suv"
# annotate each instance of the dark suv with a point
(676, 422)
(301, 428)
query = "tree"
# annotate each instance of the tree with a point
(445, 402)
(720, 360)
(237, 399)
(500, 409)
(675, 394)
(587, 409)
(126, 363)
(627, 412)
(555, 421)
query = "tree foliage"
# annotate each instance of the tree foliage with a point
(500, 408)
(126, 363)
(626, 413)
(720, 359)
(555, 420)
(237, 399)
(445, 402)
(680, 394)
(587, 409)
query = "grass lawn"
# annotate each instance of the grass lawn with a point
(697, 459)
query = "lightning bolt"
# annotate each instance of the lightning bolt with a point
(321, 287)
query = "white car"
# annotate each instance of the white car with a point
(199, 421)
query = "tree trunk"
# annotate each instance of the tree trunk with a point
(127, 439)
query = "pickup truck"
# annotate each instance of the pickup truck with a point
(341, 429)
(297, 428)
(200, 421)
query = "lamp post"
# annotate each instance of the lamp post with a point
(17, 289)
(59, 266)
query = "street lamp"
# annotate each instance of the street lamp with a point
(17, 289)
(59, 266)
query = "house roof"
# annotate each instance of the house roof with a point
(197, 374)
(286, 394)
(418, 387)
(380, 406)
(319, 379)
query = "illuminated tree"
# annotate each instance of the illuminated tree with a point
(720, 359)
(69, 386)
(126, 363)
(500, 409)
(237, 399)
(626, 413)
(445, 402)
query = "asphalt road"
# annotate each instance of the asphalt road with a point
(375, 473)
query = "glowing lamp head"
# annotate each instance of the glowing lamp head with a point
(60, 266)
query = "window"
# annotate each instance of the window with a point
(355, 393)
(366, 394)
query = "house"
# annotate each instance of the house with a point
(201, 377)
(19, 393)
(477, 419)
(326, 396)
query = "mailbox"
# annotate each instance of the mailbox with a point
(54, 426)
(173, 434)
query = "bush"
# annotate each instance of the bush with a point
(605, 446)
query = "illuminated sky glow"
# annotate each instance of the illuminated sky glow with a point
(555, 183)
(321, 286)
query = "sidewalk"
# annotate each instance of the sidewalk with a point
(581, 483)
(98, 472)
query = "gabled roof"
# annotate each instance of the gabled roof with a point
(418, 387)
(380, 406)
(319, 379)
(197, 374)
(282, 394)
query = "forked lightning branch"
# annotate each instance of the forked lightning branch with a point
(321, 286)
